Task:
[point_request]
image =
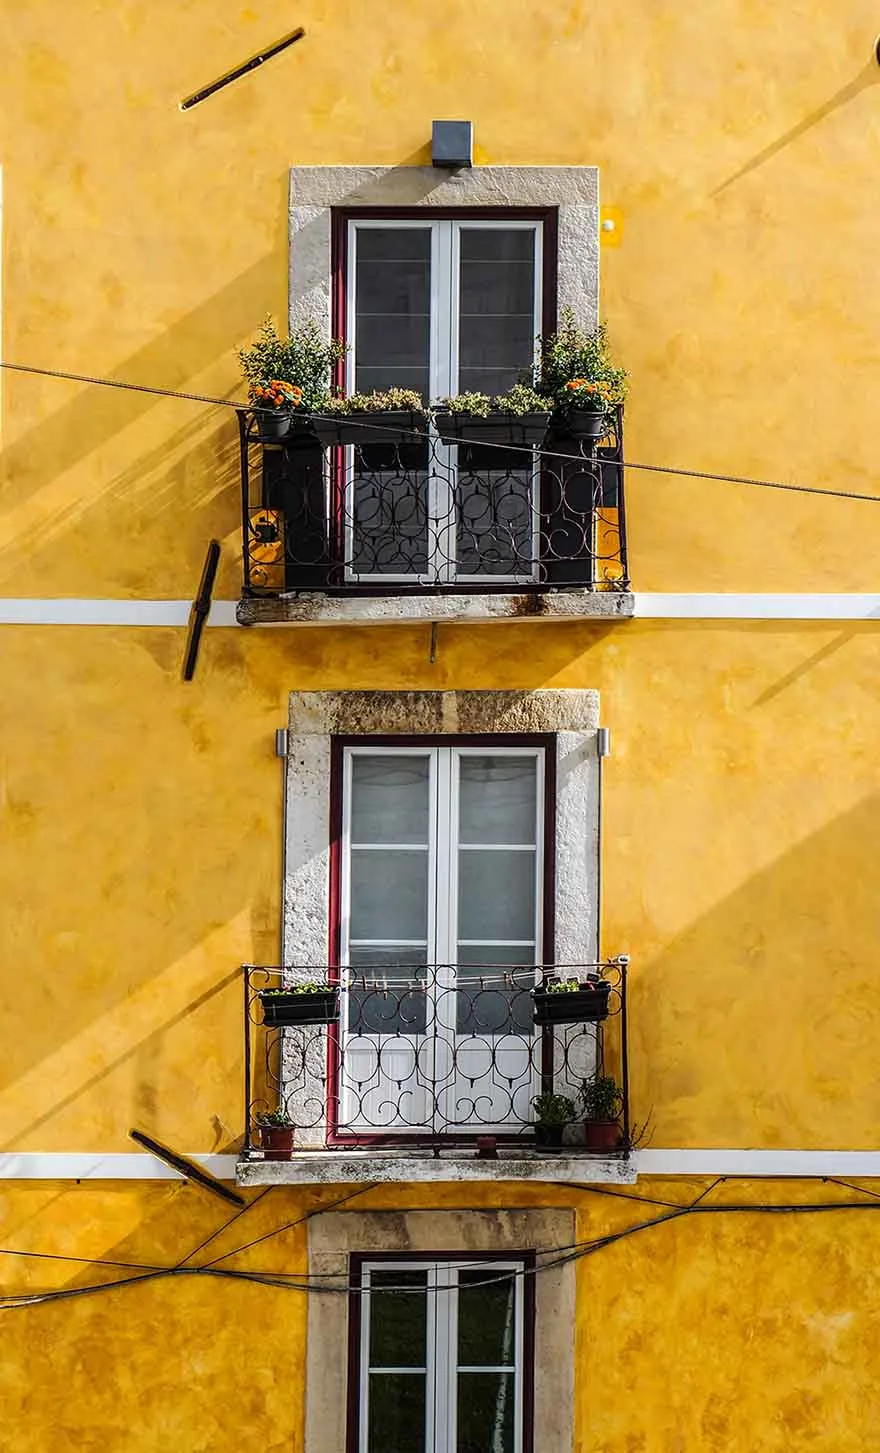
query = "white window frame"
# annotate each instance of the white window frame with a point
(443, 353)
(441, 1369)
(443, 845)
(442, 941)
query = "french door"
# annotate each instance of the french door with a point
(441, 908)
(441, 307)
(441, 1357)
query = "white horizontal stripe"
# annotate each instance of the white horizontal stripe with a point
(64, 1166)
(656, 605)
(106, 612)
(859, 1163)
(729, 606)
(118, 1166)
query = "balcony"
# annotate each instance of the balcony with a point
(428, 1073)
(418, 530)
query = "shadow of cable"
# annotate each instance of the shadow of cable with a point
(869, 75)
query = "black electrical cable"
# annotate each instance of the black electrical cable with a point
(486, 444)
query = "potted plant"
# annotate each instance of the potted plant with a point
(552, 1114)
(276, 1134)
(273, 406)
(600, 1103)
(392, 416)
(519, 417)
(288, 378)
(578, 373)
(572, 1001)
(293, 1004)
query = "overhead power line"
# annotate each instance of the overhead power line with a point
(169, 393)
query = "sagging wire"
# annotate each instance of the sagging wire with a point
(556, 1256)
(486, 444)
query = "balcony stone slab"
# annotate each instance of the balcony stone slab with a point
(317, 608)
(356, 1167)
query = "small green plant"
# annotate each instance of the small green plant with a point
(575, 986)
(553, 1109)
(303, 360)
(404, 400)
(576, 367)
(600, 1098)
(523, 399)
(479, 405)
(519, 400)
(277, 1119)
(298, 989)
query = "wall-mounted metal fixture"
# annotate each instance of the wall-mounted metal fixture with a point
(281, 741)
(603, 742)
(452, 143)
(249, 65)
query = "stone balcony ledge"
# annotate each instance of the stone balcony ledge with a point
(317, 608)
(347, 1167)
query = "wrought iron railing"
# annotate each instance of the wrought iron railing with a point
(418, 515)
(432, 1056)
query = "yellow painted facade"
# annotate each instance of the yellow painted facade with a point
(141, 859)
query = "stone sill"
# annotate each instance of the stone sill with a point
(316, 608)
(342, 1167)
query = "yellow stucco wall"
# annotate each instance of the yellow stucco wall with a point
(143, 857)
(734, 1331)
(738, 143)
(141, 817)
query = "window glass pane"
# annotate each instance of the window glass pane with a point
(389, 514)
(486, 1406)
(392, 308)
(489, 1003)
(397, 1413)
(389, 799)
(496, 894)
(497, 324)
(389, 894)
(389, 1000)
(398, 1319)
(496, 804)
(495, 522)
(486, 1318)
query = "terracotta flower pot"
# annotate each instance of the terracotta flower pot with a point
(601, 1134)
(277, 1141)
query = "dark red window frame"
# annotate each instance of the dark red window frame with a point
(357, 1260)
(545, 741)
(341, 216)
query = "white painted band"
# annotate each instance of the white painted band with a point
(863, 1164)
(649, 605)
(109, 612)
(678, 605)
(115, 1166)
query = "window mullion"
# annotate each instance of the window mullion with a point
(445, 1363)
(442, 466)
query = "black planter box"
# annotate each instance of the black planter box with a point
(591, 424)
(582, 1006)
(390, 426)
(498, 428)
(321, 1007)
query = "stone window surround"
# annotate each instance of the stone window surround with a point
(316, 190)
(570, 717)
(335, 1236)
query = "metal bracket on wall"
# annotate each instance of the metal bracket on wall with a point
(200, 610)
